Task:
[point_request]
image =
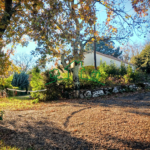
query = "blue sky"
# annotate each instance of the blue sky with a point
(101, 15)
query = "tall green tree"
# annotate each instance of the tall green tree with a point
(20, 80)
(106, 47)
(143, 59)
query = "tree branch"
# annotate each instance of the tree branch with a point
(64, 63)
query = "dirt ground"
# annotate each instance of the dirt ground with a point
(114, 122)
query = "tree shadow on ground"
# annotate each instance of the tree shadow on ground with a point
(67, 119)
(48, 136)
(43, 138)
(139, 113)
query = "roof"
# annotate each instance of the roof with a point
(110, 57)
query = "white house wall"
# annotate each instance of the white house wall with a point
(89, 60)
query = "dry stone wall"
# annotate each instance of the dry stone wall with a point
(110, 90)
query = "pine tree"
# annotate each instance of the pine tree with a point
(20, 80)
(106, 47)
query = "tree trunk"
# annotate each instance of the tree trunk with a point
(26, 90)
(76, 80)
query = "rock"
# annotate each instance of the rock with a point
(139, 88)
(115, 90)
(87, 94)
(120, 90)
(123, 90)
(81, 96)
(107, 92)
(147, 85)
(98, 93)
(132, 87)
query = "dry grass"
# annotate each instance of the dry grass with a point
(113, 122)
(17, 103)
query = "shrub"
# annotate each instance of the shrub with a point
(68, 83)
(53, 89)
(123, 69)
(89, 69)
(6, 83)
(113, 69)
(103, 69)
(139, 76)
(142, 60)
(37, 83)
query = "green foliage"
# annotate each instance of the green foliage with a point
(37, 83)
(109, 75)
(67, 82)
(7, 83)
(129, 77)
(142, 61)
(113, 69)
(20, 80)
(35, 101)
(53, 89)
(103, 68)
(43, 81)
(123, 69)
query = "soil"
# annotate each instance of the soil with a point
(119, 121)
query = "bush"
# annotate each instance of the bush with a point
(109, 75)
(68, 83)
(53, 89)
(112, 69)
(89, 69)
(103, 69)
(37, 83)
(123, 69)
(139, 76)
(6, 83)
(142, 60)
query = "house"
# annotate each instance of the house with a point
(89, 59)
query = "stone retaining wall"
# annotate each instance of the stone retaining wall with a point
(110, 90)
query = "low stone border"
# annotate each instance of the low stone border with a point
(109, 90)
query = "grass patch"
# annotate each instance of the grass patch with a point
(4, 147)
(17, 103)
